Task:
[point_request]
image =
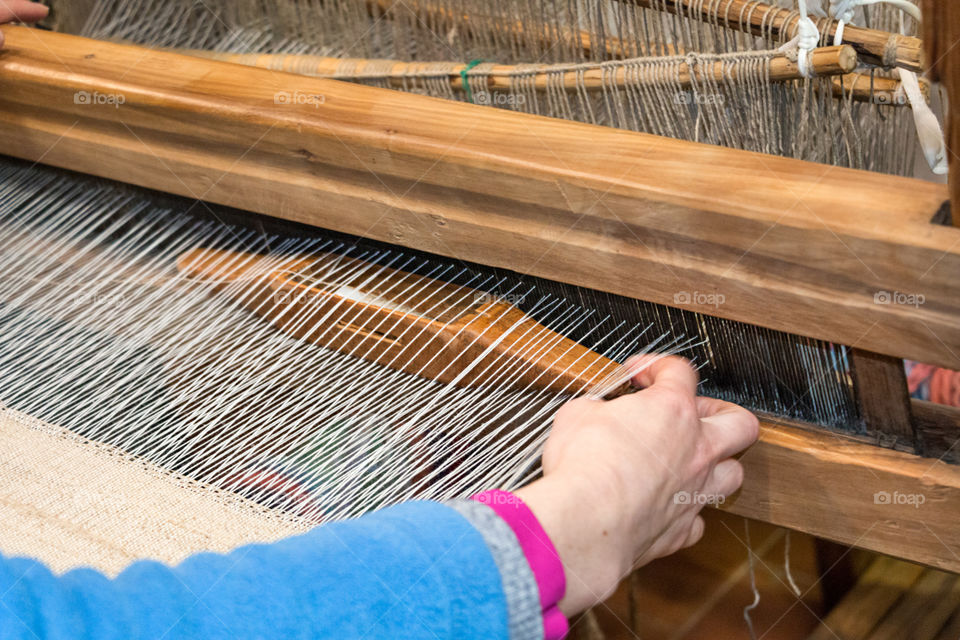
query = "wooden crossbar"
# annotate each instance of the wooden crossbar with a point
(835, 254)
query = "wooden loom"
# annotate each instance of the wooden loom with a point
(794, 246)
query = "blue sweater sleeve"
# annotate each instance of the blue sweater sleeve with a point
(416, 570)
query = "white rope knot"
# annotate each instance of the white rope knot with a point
(808, 36)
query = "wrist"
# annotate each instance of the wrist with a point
(540, 553)
(589, 532)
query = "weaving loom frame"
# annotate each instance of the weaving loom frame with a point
(188, 122)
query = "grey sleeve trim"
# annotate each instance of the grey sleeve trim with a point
(524, 615)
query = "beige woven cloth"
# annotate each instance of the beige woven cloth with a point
(71, 502)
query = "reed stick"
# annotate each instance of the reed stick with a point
(592, 76)
(878, 89)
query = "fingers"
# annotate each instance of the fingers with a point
(729, 428)
(21, 10)
(668, 372)
(576, 410)
(695, 533)
(724, 480)
(684, 532)
(711, 406)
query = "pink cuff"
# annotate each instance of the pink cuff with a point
(541, 555)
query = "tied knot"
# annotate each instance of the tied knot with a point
(806, 40)
(807, 34)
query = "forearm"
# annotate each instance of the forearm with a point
(420, 570)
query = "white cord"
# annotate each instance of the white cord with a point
(929, 131)
(786, 565)
(843, 11)
(753, 582)
(805, 41)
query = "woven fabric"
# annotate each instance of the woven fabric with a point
(71, 502)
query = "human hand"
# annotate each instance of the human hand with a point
(624, 480)
(21, 11)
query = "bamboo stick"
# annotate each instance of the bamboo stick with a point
(826, 61)
(878, 90)
(838, 62)
(873, 46)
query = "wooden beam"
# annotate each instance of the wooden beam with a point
(836, 571)
(880, 383)
(853, 493)
(941, 33)
(938, 430)
(835, 254)
(924, 610)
